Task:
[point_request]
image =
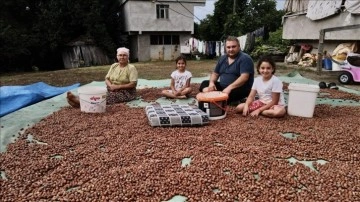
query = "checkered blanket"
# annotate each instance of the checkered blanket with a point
(175, 115)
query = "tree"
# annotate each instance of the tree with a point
(248, 16)
(223, 22)
(263, 13)
(234, 25)
(206, 29)
(36, 30)
(15, 22)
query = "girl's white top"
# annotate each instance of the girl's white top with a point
(265, 88)
(180, 78)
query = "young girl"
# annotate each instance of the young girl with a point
(180, 81)
(271, 101)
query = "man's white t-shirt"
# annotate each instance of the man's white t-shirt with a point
(180, 78)
(265, 88)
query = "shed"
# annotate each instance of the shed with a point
(83, 53)
(323, 25)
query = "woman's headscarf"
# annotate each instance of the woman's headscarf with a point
(123, 50)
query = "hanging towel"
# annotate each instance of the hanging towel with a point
(222, 49)
(242, 40)
(217, 49)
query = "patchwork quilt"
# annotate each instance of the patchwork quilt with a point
(175, 115)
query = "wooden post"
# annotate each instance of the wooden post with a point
(320, 52)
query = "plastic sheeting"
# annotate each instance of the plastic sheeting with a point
(353, 6)
(17, 122)
(296, 6)
(13, 98)
(318, 10)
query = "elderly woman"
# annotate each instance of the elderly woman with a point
(121, 81)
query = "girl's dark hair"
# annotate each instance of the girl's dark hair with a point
(180, 57)
(266, 59)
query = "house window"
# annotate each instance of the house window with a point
(164, 40)
(154, 40)
(175, 39)
(167, 39)
(162, 11)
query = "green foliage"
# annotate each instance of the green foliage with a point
(246, 17)
(233, 25)
(275, 39)
(219, 25)
(260, 13)
(206, 30)
(275, 45)
(37, 30)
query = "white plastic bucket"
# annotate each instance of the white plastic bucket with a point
(336, 66)
(92, 99)
(302, 99)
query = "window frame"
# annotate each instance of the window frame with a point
(162, 11)
(164, 39)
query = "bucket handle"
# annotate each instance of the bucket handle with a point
(214, 102)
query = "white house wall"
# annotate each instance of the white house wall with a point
(134, 49)
(143, 43)
(141, 17)
(140, 22)
(142, 50)
(299, 27)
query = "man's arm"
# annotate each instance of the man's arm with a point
(213, 78)
(244, 77)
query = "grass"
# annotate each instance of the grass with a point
(146, 70)
(84, 75)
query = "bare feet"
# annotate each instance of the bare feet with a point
(73, 100)
(181, 97)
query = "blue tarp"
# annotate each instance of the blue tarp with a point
(13, 98)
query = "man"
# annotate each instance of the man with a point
(235, 70)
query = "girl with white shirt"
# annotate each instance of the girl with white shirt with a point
(180, 81)
(269, 89)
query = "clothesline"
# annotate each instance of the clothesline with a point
(217, 48)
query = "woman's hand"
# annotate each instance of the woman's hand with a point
(112, 87)
(109, 85)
